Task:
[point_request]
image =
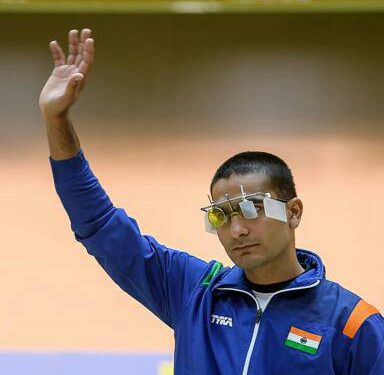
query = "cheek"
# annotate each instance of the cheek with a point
(275, 232)
(223, 237)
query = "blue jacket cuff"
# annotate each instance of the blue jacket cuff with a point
(68, 169)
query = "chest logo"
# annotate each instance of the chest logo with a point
(303, 340)
(221, 320)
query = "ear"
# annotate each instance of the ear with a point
(294, 211)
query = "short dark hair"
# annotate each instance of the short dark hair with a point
(276, 169)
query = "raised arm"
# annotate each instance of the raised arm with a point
(62, 90)
(162, 279)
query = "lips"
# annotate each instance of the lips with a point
(245, 247)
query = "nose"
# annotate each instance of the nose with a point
(238, 227)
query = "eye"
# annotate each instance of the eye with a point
(259, 207)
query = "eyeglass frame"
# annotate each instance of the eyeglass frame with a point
(237, 199)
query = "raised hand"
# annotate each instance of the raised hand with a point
(68, 77)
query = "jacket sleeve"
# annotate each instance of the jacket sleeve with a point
(160, 278)
(366, 354)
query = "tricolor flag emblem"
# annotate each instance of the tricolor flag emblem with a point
(303, 340)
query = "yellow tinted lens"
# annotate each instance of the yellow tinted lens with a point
(216, 217)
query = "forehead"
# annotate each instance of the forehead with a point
(252, 183)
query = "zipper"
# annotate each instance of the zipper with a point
(255, 328)
(258, 315)
(259, 312)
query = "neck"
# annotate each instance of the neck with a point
(282, 268)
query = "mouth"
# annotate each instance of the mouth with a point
(245, 248)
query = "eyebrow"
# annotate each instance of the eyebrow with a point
(224, 205)
(239, 197)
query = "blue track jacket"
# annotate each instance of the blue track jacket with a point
(313, 326)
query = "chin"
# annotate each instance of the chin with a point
(250, 261)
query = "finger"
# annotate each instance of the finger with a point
(88, 56)
(84, 35)
(57, 53)
(73, 46)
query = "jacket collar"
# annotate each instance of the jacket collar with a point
(311, 262)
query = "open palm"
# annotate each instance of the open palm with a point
(68, 77)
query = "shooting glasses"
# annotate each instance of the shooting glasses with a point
(249, 206)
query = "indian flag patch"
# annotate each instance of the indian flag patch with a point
(303, 340)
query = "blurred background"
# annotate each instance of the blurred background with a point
(177, 88)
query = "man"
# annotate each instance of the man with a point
(272, 313)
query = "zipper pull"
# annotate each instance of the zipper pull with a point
(258, 315)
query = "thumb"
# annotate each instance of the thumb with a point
(73, 83)
(77, 77)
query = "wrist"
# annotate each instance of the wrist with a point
(62, 138)
(61, 118)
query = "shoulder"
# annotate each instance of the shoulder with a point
(358, 330)
(352, 312)
(363, 316)
(363, 335)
